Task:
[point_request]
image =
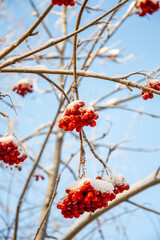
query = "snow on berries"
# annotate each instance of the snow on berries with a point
(85, 195)
(119, 183)
(37, 176)
(23, 87)
(77, 115)
(88, 195)
(63, 2)
(147, 6)
(154, 84)
(11, 152)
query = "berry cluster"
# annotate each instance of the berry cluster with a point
(148, 6)
(88, 195)
(63, 2)
(77, 115)
(119, 183)
(23, 87)
(37, 176)
(154, 84)
(10, 151)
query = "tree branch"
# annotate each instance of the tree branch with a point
(26, 34)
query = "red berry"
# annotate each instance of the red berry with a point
(78, 129)
(148, 6)
(63, 2)
(10, 150)
(145, 96)
(83, 198)
(77, 119)
(23, 87)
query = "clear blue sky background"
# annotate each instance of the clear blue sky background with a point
(140, 36)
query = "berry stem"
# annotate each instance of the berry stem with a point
(10, 128)
(95, 154)
(82, 159)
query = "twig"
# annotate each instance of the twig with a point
(145, 208)
(53, 42)
(69, 168)
(43, 23)
(56, 85)
(95, 154)
(82, 158)
(26, 34)
(100, 229)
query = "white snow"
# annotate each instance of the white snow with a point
(95, 7)
(113, 52)
(7, 139)
(40, 67)
(34, 13)
(153, 81)
(86, 107)
(103, 50)
(23, 81)
(89, 72)
(146, 84)
(71, 105)
(131, 6)
(100, 185)
(116, 179)
(51, 40)
(112, 101)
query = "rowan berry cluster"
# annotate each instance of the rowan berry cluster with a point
(119, 183)
(63, 2)
(23, 87)
(87, 195)
(148, 6)
(154, 84)
(77, 115)
(37, 176)
(10, 151)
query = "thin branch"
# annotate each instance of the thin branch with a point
(70, 169)
(54, 41)
(100, 229)
(134, 110)
(95, 154)
(145, 208)
(56, 85)
(43, 23)
(136, 149)
(26, 34)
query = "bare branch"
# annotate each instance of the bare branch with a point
(26, 34)
(145, 208)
